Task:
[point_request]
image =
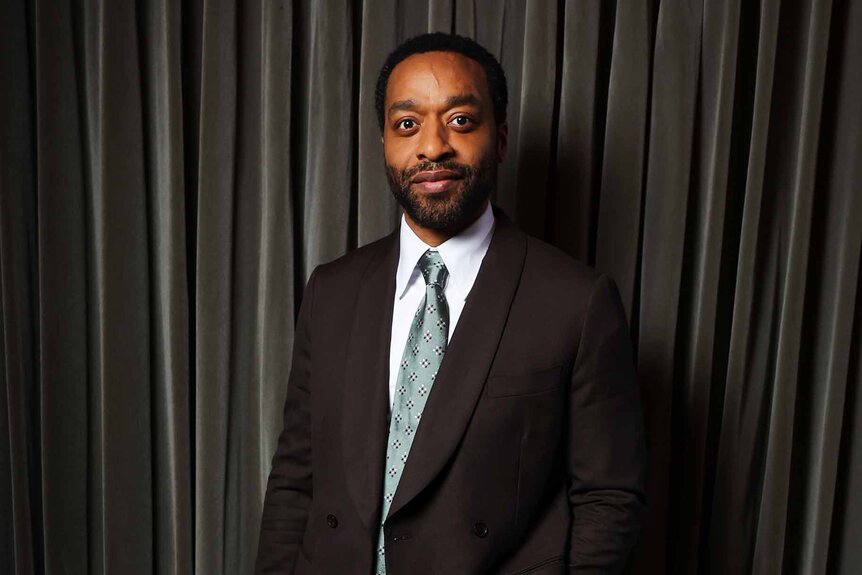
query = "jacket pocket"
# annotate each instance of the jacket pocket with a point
(550, 565)
(524, 384)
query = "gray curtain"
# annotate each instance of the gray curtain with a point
(171, 172)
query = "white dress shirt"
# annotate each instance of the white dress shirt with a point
(462, 255)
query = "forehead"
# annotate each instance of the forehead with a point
(435, 75)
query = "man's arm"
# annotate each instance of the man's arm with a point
(607, 453)
(289, 488)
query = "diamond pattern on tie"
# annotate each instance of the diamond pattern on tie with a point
(423, 353)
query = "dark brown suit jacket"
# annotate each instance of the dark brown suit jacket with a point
(530, 455)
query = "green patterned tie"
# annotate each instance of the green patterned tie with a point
(426, 344)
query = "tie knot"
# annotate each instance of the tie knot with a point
(433, 269)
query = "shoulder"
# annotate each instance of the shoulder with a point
(551, 275)
(352, 265)
(552, 265)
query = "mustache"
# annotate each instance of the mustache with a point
(460, 169)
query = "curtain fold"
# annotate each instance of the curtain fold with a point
(665, 237)
(159, 40)
(704, 242)
(20, 508)
(618, 219)
(172, 172)
(60, 222)
(738, 456)
(216, 197)
(574, 181)
(829, 303)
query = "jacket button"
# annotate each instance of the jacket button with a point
(480, 529)
(332, 520)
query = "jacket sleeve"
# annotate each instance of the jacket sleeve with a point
(289, 488)
(606, 453)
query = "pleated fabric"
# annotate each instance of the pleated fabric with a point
(172, 172)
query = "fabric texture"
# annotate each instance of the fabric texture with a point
(171, 172)
(423, 354)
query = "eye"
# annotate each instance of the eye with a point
(405, 124)
(462, 121)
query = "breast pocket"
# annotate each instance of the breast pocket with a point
(524, 384)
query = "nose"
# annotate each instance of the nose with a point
(433, 143)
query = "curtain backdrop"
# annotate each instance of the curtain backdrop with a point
(171, 172)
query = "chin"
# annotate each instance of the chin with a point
(440, 215)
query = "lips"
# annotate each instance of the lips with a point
(435, 176)
(433, 182)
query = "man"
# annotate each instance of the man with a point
(511, 444)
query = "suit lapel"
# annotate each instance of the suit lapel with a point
(464, 368)
(366, 383)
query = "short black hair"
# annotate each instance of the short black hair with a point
(442, 42)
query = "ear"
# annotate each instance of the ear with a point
(502, 141)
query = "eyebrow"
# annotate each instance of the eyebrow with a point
(463, 100)
(402, 105)
(451, 102)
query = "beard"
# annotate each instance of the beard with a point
(454, 209)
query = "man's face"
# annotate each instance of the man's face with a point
(440, 141)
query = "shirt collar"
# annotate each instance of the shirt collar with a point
(462, 255)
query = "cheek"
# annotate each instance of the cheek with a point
(477, 146)
(395, 154)
(482, 157)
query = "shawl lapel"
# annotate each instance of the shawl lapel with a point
(366, 383)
